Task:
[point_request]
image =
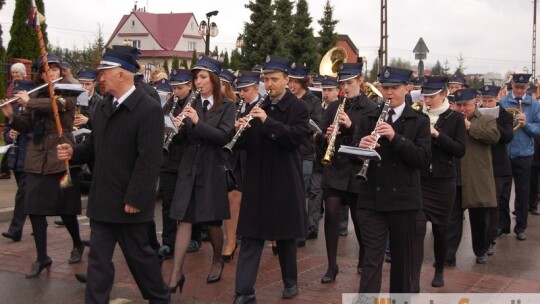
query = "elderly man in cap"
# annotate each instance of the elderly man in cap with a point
(521, 148)
(476, 191)
(127, 151)
(273, 198)
(391, 197)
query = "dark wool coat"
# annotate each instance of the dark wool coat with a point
(341, 174)
(449, 144)
(201, 178)
(394, 182)
(273, 200)
(126, 145)
(499, 151)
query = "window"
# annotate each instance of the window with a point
(192, 45)
(137, 44)
(132, 23)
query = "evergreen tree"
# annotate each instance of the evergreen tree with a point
(446, 68)
(400, 63)
(215, 53)
(184, 64)
(373, 73)
(283, 20)
(166, 66)
(226, 63)
(460, 70)
(437, 69)
(175, 63)
(328, 36)
(302, 39)
(260, 36)
(194, 58)
(235, 60)
(25, 43)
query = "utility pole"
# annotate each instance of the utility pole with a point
(534, 44)
(383, 49)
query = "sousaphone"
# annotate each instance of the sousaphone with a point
(332, 60)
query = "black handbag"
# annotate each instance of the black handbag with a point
(232, 184)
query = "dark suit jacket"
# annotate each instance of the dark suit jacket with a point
(126, 145)
(341, 174)
(449, 144)
(499, 152)
(394, 182)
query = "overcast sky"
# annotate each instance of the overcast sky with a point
(491, 35)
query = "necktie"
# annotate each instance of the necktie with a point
(205, 105)
(391, 113)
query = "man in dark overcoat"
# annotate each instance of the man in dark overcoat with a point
(273, 200)
(127, 154)
(391, 197)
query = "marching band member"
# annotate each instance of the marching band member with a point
(248, 88)
(438, 179)
(227, 82)
(201, 189)
(502, 171)
(88, 77)
(339, 183)
(476, 191)
(521, 148)
(43, 196)
(273, 199)
(181, 86)
(391, 197)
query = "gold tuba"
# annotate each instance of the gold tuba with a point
(332, 60)
(371, 91)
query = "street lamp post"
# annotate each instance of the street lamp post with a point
(208, 29)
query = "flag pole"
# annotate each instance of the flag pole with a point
(65, 181)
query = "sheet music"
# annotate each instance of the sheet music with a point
(170, 127)
(490, 111)
(363, 153)
(81, 132)
(3, 149)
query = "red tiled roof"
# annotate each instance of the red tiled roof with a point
(171, 53)
(167, 29)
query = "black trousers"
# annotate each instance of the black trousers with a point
(141, 259)
(374, 227)
(503, 185)
(250, 258)
(18, 219)
(533, 194)
(167, 184)
(521, 171)
(479, 219)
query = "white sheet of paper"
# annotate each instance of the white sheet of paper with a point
(490, 111)
(3, 149)
(363, 153)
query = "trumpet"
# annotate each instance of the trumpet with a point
(29, 92)
(327, 159)
(228, 147)
(362, 175)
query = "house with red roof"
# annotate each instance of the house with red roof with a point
(159, 37)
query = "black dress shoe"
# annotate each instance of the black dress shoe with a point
(290, 292)
(81, 277)
(312, 233)
(213, 278)
(521, 236)
(244, 299)
(329, 276)
(10, 235)
(59, 222)
(38, 266)
(534, 211)
(300, 243)
(76, 255)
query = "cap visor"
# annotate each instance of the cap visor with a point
(173, 83)
(346, 77)
(430, 92)
(391, 84)
(245, 85)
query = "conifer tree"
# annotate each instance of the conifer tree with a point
(166, 66)
(283, 20)
(194, 58)
(184, 64)
(302, 39)
(175, 63)
(328, 36)
(235, 60)
(226, 63)
(24, 43)
(260, 36)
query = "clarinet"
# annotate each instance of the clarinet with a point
(228, 147)
(362, 175)
(190, 102)
(13, 150)
(240, 104)
(169, 135)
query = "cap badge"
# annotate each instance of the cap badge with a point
(267, 58)
(386, 73)
(293, 65)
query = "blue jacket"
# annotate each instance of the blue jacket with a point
(523, 143)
